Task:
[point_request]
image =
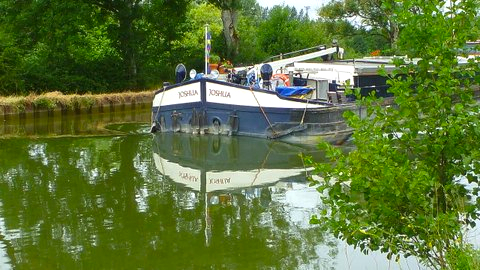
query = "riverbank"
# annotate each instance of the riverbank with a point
(55, 114)
(56, 101)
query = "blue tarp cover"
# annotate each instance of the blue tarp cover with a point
(293, 90)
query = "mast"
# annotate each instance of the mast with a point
(208, 47)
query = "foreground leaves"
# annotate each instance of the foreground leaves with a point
(411, 185)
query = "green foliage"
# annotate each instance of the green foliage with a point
(190, 49)
(44, 103)
(9, 61)
(161, 26)
(464, 258)
(378, 16)
(81, 46)
(458, 25)
(214, 59)
(250, 50)
(110, 45)
(84, 101)
(277, 34)
(411, 186)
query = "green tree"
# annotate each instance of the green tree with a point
(190, 48)
(250, 50)
(286, 30)
(143, 34)
(9, 61)
(161, 26)
(356, 41)
(88, 45)
(230, 13)
(125, 13)
(276, 31)
(59, 45)
(378, 15)
(411, 185)
(39, 39)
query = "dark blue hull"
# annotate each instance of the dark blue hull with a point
(223, 108)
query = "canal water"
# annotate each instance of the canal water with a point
(96, 192)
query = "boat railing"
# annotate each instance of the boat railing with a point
(289, 54)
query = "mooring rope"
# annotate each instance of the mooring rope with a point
(159, 105)
(265, 159)
(304, 111)
(263, 112)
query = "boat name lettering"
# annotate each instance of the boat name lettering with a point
(188, 177)
(219, 93)
(187, 93)
(221, 181)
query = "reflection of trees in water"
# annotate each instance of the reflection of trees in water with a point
(99, 203)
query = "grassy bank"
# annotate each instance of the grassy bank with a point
(59, 101)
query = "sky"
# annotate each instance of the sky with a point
(298, 4)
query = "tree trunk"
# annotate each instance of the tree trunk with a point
(126, 12)
(230, 19)
(127, 45)
(393, 35)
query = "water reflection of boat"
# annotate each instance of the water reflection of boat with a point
(219, 172)
(212, 163)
